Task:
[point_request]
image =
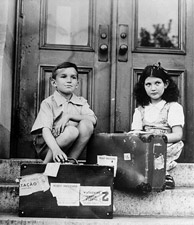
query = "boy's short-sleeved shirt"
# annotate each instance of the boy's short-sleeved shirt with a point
(53, 108)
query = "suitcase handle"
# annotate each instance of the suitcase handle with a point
(70, 159)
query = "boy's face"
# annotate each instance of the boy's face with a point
(66, 81)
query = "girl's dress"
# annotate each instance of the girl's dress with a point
(159, 119)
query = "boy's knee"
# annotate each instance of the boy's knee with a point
(86, 127)
(72, 132)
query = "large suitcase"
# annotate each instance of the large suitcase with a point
(139, 159)
(66, 191)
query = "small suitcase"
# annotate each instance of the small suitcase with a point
(66, 191)
(141, 159)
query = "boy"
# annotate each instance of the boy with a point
(65, 120)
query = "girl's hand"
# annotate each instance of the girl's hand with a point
(59, 156)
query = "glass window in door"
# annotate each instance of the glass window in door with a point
(66, 23)
(159, 25)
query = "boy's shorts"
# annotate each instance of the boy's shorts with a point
(40, 146)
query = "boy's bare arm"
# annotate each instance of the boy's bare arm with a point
(74, 117)
(58, 154)
(77, 118)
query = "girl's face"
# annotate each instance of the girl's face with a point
(155, 88)
(66, 81)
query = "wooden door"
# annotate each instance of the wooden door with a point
(155, 31)
(107, 40)
(50, 32)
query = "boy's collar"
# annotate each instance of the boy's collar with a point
(61, 100)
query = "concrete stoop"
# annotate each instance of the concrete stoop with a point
(177, 202)
(10, 168)
(11, 219)
(167, 207)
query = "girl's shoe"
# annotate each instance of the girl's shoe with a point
(169, 183)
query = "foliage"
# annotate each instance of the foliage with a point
(159, 38)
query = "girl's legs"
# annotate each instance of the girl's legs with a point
(173, 153)
(86, 129)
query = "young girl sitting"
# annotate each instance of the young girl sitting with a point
(159, 112)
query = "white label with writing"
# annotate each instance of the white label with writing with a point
(33, 183)
(67, 194)
(106, 160)
(127, 156)
(159, 163)
(95, 195)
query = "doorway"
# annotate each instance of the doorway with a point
(111, 42)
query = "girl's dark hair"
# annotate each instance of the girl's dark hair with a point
(171, 93)
(63, 65)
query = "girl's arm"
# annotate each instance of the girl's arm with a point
(137, 121)
(176, 135)
(176, 121)
(58, 154)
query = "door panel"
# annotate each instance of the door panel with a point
(111, 42)
(47, 40)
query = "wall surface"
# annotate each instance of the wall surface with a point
(7, 38)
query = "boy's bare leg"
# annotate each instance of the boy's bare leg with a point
(49, 157)
(67, 138)
(86, 129)
(64, 140)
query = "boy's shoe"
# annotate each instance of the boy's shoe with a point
(169, 182)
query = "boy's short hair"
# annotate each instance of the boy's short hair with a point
(63, 65)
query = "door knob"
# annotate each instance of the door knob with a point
(103, 35)
(103, 43)
(103, 48)
(123, 35)
(123, 43)
(123, 49)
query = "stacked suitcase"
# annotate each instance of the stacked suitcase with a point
(140, 159)
(130, 162)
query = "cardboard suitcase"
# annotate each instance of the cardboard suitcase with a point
(139, 159)
(66, 191)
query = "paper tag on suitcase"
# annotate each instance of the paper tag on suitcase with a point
(95, 196)
(52, 169)
(30, 184)
(67, 194)
(106, 160)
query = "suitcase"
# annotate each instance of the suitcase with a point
(139, 159)
(66, 191)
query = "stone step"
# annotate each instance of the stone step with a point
(9, 198)
(183, 174)
(9, 219)
(176, 202)
(10, 170)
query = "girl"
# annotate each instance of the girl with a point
(159, 112)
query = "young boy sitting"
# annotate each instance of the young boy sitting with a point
(65, 121)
